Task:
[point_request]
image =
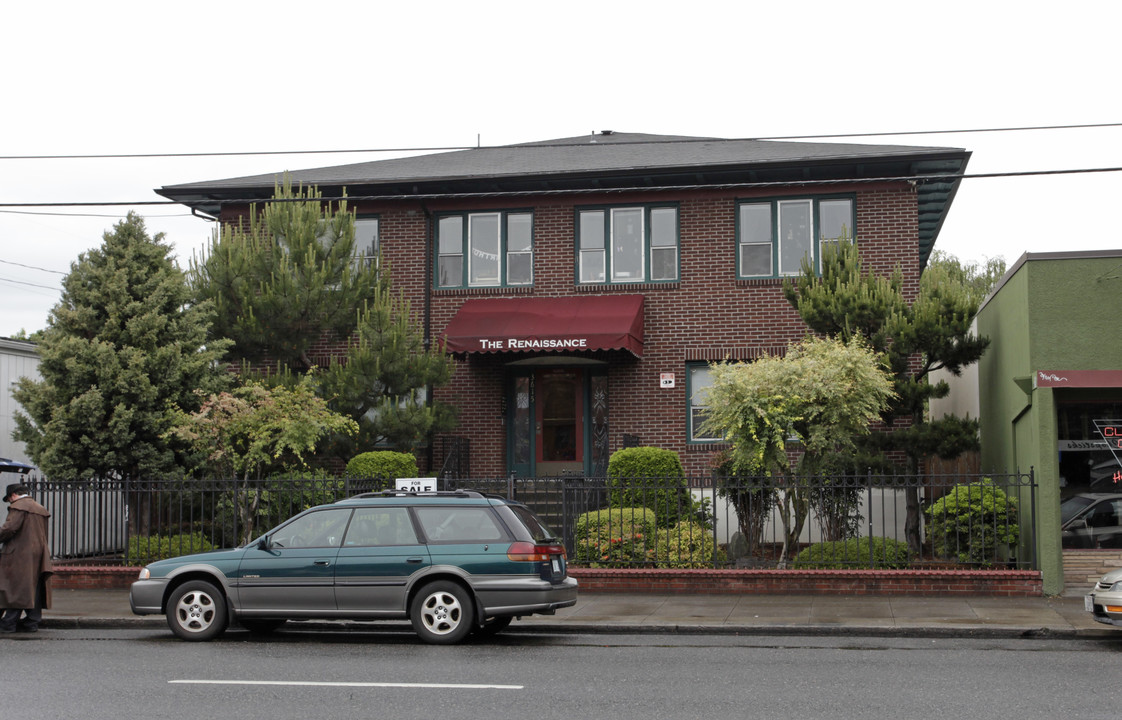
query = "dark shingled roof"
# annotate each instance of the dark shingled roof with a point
(611, 160)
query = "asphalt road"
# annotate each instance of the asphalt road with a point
(94, 674)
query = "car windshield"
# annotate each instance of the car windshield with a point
(1073, 506)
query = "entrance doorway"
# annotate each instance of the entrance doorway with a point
(557, 421)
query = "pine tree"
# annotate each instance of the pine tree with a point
(122, 345)
(931, 333)
(285, 281)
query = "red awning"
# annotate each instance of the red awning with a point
(539, 324)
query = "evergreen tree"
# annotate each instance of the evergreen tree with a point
(285, 281)
(931, 333)
(383, 383)
(120, 347)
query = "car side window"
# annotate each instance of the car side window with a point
(460, 524)
(323, 528)
(380, 526)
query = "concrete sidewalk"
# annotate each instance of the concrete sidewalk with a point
(875, 615)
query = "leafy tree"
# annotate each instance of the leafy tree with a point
(823, 393)
(977, 278)
(285, 281)
(931, 333)
(254, 429)
(122, 344)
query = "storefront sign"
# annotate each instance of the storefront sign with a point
(1077, 378)
(1111, 433)
(511, 344)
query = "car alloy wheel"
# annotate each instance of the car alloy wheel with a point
(442, 613)
(197, 611)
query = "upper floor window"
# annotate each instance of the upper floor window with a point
(627, 244)
(773, 236)
(485, 249)
(367, 242)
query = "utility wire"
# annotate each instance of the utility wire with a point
(938, 177)
(20, 282)
(31, 267)
(249, 153)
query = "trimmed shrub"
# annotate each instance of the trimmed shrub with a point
(149, 548)
(650, 477)
(383, 465)
(884, 553)
(973, 523)
(688, 545)
(615, 537)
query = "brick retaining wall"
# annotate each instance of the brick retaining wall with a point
(1002, 583)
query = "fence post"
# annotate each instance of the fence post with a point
(869, 512)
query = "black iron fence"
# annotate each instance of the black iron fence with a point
(859, 521)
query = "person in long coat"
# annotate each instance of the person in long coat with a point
(25, 562)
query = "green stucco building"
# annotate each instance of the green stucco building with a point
(1050, 385)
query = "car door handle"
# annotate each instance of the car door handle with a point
(415, 560)
(324, 563)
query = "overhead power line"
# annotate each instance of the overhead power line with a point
(31, 267)
(20, 282)
(446, 148)
(940, 177)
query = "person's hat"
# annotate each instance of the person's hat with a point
(15, 488)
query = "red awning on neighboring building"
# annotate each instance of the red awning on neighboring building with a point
(540, 324)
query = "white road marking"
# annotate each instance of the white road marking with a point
(308, 683)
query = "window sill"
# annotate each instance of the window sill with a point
(627, 287)
(466, 291)
(763, 282)
(709, 446)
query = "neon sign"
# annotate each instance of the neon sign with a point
(1111, 433)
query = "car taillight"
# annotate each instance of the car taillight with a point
(529, 552)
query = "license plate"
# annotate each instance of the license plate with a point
(556, 566)
(1089, 603)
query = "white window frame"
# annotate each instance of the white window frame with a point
(694, 407)
(470, 253)
(594, 264)
(780, 233)
(362, 258)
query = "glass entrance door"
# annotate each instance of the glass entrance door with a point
(559, 430)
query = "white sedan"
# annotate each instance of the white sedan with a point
(1105, 600)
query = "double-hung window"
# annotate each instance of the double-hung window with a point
(627, 244)
(490, 249)
(699, 379)
(773, 236)
(366, 241)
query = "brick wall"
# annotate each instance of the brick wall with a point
(707, 315)
(998, 583)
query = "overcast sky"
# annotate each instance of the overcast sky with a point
(149, 77)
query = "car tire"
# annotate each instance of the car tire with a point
(493, 626)
(442, 613)
(197, 611)
(262, 627)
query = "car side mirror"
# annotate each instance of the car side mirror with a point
(264, 543)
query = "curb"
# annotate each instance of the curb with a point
(573, 628)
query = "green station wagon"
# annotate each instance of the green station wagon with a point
(449, 562)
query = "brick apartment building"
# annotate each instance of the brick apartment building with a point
(583, 284)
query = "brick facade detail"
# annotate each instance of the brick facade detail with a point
(708, 314)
